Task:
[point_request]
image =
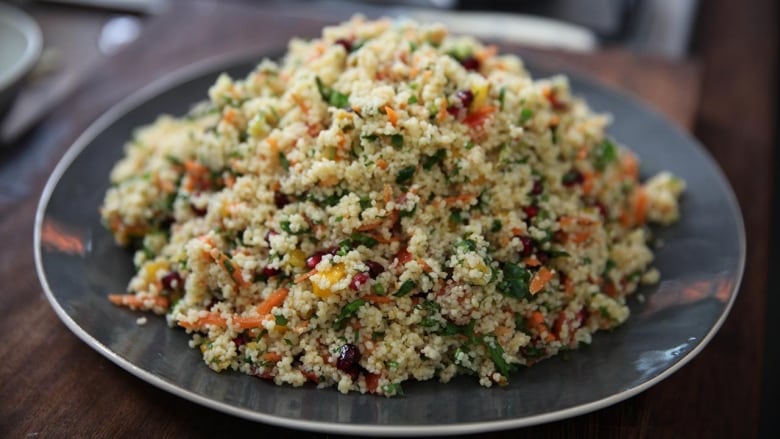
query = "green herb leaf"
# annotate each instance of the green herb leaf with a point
(496, 353)
(284, 162)
(496, 226)
(405, 288)
(339, 100)
(363, 239)
(392, 389)
(525, 115)
(412, 100)
(280, 320)
(501, 95)
(515, 281)
(285, 226)
(604, 153)
(429, 161)
(397, 140)
(347, 312)
(405, 175)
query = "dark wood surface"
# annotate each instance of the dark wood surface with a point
(53, 385)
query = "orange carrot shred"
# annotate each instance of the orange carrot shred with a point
(275, 299)
(378, 299)
(391, 115)
(540, 279)
(133, 301)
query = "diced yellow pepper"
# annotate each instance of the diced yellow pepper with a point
(297, 258)
(151, 269)
(332, 275)
(481, 91)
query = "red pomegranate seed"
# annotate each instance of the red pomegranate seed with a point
(172, 281)
(528, 246)
(313, 260)
(374, 268)
(463, 99)
(531, 211)
(359, 280)
(537, 188)
(281, 200)
(270, 271)
(345, 43)
(470, 63)
(349, 358)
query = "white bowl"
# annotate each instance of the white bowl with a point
(20, 47)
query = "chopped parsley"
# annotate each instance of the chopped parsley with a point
(405, 288)
(515, 281)
(604, 153)
(405, 175)
(347, 312)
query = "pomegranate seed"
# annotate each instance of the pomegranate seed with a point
(537, 188)
(470, 63)
(239, 341)
(531, 211)
(270, 271)
(198, 210)
(172, 281)
(602, 209)
(572, 178)
(313, 260)
(359, 280)
(528, 246)
(344, 43)
(374, 268)
(281, 200)
(463, 98)
(348, 359)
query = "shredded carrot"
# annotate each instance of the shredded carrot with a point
(382, 164)
(369, 226)
(568, 285)
(391, 115)
(403, 256)
(536, 319)
(487, 52)
(640, 205)
(630, 165)
(133, 301)
(311, 376)
(425, 266)
(610, 289)
(567, 221)
(540, 279)
(442, 111)
(229, 266)
(372, 382)
(479, 116)
(588, 183)
(304, 276)
(582, 153)
(273, 357)
(465, 199)
(230, 116)
(275, 299)
(517, 231)
(580, 237)
(211, 319)
(388, 193)
(531, 261)
(381, 239)
(301, 103)
(377, 299)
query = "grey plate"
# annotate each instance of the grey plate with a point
(701, 264)
(20, 47)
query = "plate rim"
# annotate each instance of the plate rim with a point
(213, 64)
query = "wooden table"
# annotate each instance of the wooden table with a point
(53, 385)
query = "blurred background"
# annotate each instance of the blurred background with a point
(709, 66)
